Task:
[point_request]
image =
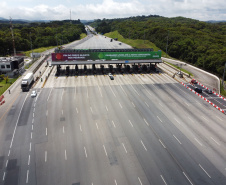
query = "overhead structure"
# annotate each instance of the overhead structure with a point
(105, 56)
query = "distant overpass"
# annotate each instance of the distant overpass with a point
(105, 56)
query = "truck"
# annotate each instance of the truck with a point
(27, 81)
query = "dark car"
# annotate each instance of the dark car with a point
(111, 77)
(199, 90)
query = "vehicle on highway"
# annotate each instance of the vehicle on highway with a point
(194, 81)
(111, 77)
(109, 74)
(209, 91)
(33, 94)
(27, 81)
(199, 90)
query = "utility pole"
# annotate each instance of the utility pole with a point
(223, 76)
(11, 28)
(167, 41)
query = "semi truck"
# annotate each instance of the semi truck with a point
(27, 81)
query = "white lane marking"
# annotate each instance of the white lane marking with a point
(34, 104)
(46, 131)
(100, 91)
(105, 151)
(131, 123)
(215, 141)
(120, 105)
(113, 123)
(87, 93)
(33, 114)
(31, 135)
(80, 127)
(146, 103)
(65, 155)
(33, 120)
(160, 104)
(85, 151)
(29, 160)
(219, 118)
(34, 110)
(49, 94)
(186, 104)
(204, 171)
(97, 126)
(115, 182)
(123, 90)
(45, 156)
(163, 179)
(146, 122)
(143, 145)
(112, 91)
(191, 119)
(91, 109)
(205, 118)
(124, 147)
(106, 108)
(188, 178)
(47, 113)
(63, 129)
(162, 143)
(27, 176)
(177, 120)
(177, 139)
(134, 89)
(133, 104)
(30, 147)
(62, 111)
(198, 141)
(76, 110)
(159, 119)
(32, 127)
(9, 153)
(140, 181)
(3, 178)
(62, 95)
(6, 164)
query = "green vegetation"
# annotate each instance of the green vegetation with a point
(5, 85)
(38, 50)
(199, 43)
(222, 89)
(83, 35)
(41, 35)
(184, 70)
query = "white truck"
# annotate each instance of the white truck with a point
(27, 81)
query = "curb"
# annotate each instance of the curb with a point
(218, 108)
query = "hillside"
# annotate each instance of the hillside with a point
(199, 43)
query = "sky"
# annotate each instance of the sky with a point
(202, 10)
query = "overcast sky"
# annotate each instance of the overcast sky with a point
(99, 9)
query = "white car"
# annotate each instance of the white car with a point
(33, 94)
(109, 74)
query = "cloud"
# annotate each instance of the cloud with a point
(197, 9)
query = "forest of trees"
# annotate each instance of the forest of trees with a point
(199, 43)
(40, 34)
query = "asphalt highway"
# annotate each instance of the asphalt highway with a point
(89, 130)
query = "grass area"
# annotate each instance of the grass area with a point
(4, 86)
(83, 35)
(138, 43)
(222, 91)
(38, 50)
(185, 71)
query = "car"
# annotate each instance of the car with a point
(109, 74)
(111, 77)
(33, 94)
(194, 81)
(209, 91)
(50, 65)
(199, 90)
